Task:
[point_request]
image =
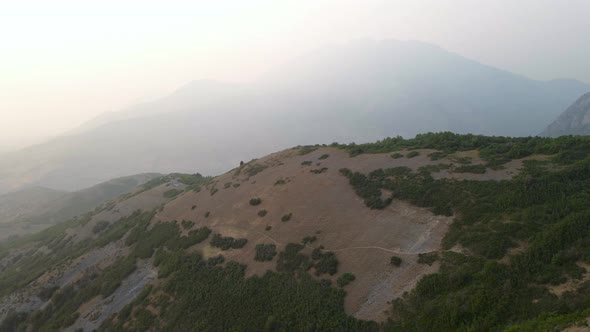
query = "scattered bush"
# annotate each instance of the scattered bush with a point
(308, 239)
(324, 156)
(207, 214)
(412, 154)
(255, 169)
(267, 228)
(255, 201)
(306, 149)
(193, 207)
(461, 160)
(319, 170)
(286, 217)
(396, 155)
(262, 213)
(396, 261)
(306, 163)
(437, 155)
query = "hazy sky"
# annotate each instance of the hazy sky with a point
(64, 62)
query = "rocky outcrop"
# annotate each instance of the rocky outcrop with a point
(574, 121)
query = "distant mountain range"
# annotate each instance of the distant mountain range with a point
(575, 120)
(358, 92)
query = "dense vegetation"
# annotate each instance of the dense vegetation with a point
(494, 149)
(210, 297)
(544, 210)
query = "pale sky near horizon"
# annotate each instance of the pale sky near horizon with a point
(64, 62)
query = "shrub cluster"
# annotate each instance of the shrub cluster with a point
(345, 279)
(255, 201)
(265, 252)
(226, 243)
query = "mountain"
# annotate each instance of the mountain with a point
(441, 232)
(33, 209)
(575, 120)
(357, 92)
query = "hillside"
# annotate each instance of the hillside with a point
(33, 209)
(437, 233)
(575, 120)
(356, 92)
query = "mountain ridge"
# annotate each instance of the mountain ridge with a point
(352, 94)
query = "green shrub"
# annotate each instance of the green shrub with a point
(396, 155)
(345, 279)
(437, 155)
(306, 149)
(308, 239)
(262, 213)
(461, 160)
(226, 243)
(291, 259)
(287, 217)
(186, 224)
(319, 170)
(324, 156)
(254, 169)
(306, 163)
(326, 262)
(396, 261)
(265, 252)
(427, 258)
(255, 201)
(412, 154)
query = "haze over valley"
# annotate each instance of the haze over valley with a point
(295, 166)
